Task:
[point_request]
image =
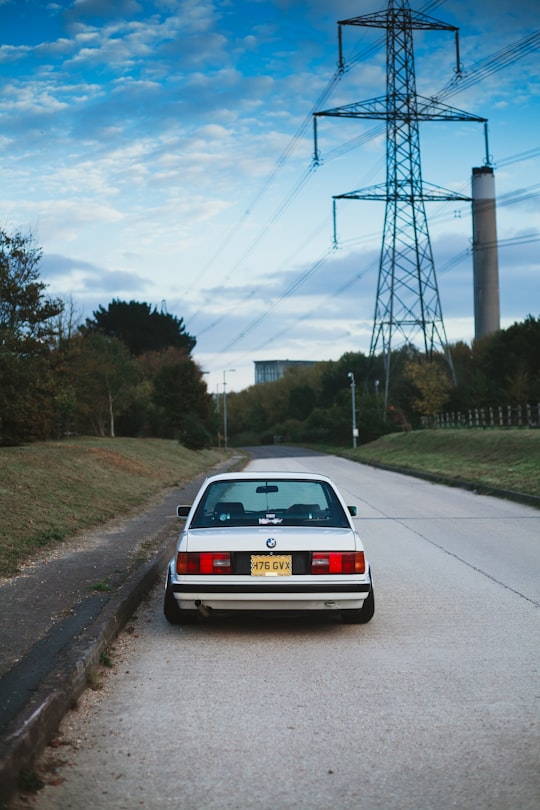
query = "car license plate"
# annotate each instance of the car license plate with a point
(271, 565)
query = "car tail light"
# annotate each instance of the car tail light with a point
(203, 562)
(338, 562)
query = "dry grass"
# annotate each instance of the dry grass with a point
(50, 491)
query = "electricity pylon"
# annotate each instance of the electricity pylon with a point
(408, 308)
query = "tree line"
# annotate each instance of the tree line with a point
(128, 370)
(313, 404)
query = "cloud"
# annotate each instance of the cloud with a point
(82, 10)
(89, 283)
(161, 149)
(55, 266)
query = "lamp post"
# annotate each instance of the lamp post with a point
(350, 375)
(225, 406)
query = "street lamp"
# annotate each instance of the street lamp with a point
(377, 395)
(350, 375)
(225, 406)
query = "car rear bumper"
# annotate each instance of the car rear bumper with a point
(272, 597)
(268, 605)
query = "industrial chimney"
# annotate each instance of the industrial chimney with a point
(485, 254)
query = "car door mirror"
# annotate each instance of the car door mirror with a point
(353, 511)
(182, 511)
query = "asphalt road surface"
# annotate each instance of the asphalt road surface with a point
(434, 704)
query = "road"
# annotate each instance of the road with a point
(434, 704)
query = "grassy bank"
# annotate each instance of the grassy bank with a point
(50, 491)
(505, 459)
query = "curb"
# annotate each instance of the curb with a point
(471, 486)
(30, 732)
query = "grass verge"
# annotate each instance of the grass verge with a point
(50, 491)
(504, 459)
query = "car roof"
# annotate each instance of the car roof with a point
(265, 474)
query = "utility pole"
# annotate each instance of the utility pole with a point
(350, 375)
(408, 307)
(225, 440)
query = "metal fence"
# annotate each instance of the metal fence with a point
(501, 416)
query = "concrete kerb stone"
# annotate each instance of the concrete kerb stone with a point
(31, 731)
(479, 489)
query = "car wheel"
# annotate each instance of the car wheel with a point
(171, 609)
(362, 616)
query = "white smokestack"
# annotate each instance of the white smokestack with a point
(487, 317)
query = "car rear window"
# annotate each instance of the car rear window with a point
(274, 501)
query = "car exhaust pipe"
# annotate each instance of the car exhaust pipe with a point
(203, 610)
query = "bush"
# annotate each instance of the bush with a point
(194, 435)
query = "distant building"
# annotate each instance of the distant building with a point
(272, 370)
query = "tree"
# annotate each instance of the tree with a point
(335, 373)
(301, 401)
(26, 314)
(183, 406)
(68, 322)
(511, 361)
(432, 384)
(247, 412)
(27, 337)
(102, 374)
(28, 391)
(140, 327)
(472, 389)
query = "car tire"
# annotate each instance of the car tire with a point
(171, 610)
(364, 614)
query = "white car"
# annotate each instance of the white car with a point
(268, 543)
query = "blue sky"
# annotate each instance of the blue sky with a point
(162, 152)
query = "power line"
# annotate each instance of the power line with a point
(342, 289)
(527, 155)
(486, 66)
(233, 309)
(287, 294)
(358, 56)
(479, 71)
(510, 198)
(280, 163)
